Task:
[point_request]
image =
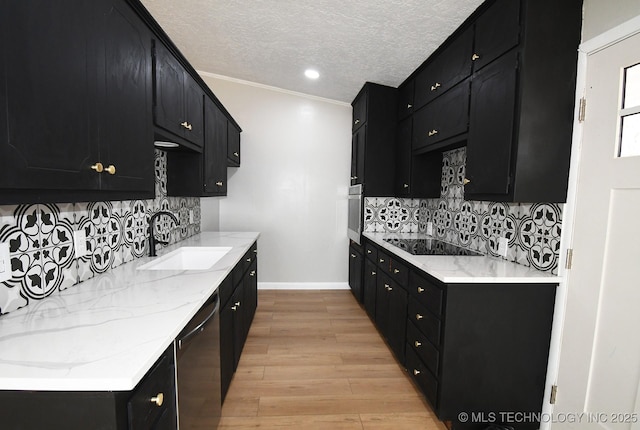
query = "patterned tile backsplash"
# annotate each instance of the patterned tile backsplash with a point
(532, 229)
(41, 246)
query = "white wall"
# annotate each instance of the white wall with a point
(292, 183)
(603, 15)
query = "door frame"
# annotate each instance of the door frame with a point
(610, 37)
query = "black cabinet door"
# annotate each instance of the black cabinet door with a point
(491, 127)
(193, 111)
(360, 110)
(369, 287)
(355, 272)
(48, 93)
(233, 145)
(497, 31)
(227, 357)
(239, 331)
(126, 135)
(383, 283)
(250, 304)
(442, 119)
(405, 99)
(215, 151)
(169, 91)
(403, 158)
(450, 66)
(397, 323)
(358, 144)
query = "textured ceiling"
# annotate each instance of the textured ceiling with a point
(272, 42)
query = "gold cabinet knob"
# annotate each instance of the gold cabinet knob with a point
(420, 290)
(396, 271)
(186, 125)
(416, 372)
(158, 399)
(433, 132)
(409, 105)
(419, 317)
(405, 185)
(381, 260)
(435, 86)
(465, 181)
(219, 183)
(353, 255)
(98, 167)
(368, 251)
(249, 260)
(111, 169)
(356, 122)
(417, 344)
(237, 303)
(236, 154)
(234, 308)
(475, 57)
(373, 273)
(252, 273)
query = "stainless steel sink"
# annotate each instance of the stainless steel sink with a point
(188, 258)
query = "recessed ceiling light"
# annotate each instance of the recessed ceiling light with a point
(311, 74)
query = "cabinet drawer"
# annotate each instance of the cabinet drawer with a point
(426, 292)
(424, 378)
(445, 70)
(428, 353)
(371, 252)
(143, 406)
(425, 321)
(399, 272)
(442, 119)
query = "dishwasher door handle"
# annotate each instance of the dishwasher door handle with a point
(182, 341)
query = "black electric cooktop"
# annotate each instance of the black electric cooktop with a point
(429, 247)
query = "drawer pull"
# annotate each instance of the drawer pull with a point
(416, 372)
(420, 290)
(219, 183)
(396, 271)
(356, 122)
(253, 273)
(158, 399)
(186, 125)
(368, 251)
(381, 260)
(475, 57)
(237, 303)
(373, 273)
(409, 105)
(433, 132)
(234, 308)
(435, 86)
(255, 251)
(236, 154)
(111, 169)
(249, 260)
(465, 181)
(405, 185)
(417, 344)
(419, 317)
(353, 255)
(98, 167)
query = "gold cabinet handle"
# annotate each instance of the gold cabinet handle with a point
(249, 260)
(353, 255)
(237, 303)
(433, 132)
(356, 122)
(420, 290)
(396, 271)
(111, 169)
(409, 105)
(186, 125)
(381, 260)
(373, 273)
(475, 57)
(419, 317)
(416, 372)
(98, 167)
(219, 183)
(158, 399)
(465, 181)
(435, 86)
(252, 273)
(405, 185)
(368, 251)
(417, 344)
(233, 308)
(236, 154)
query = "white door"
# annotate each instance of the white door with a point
(599, 373)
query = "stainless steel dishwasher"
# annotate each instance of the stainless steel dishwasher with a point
(198, 369)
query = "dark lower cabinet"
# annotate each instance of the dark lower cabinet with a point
(369, 287)
(355, 270)
(116, 410)
(239, 300)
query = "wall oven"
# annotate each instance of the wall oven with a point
(354, 224)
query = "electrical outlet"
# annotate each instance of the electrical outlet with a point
(430, 228)
(80, 243)
(5, 262)
(503, 246)
(191, 217)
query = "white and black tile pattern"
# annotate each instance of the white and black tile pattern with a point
(40, 238)
(531, 229)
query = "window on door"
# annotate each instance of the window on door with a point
(630, 113)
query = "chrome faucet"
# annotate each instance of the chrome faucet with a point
(152, 238)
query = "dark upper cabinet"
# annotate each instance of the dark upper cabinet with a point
(450, 65)
(81, 130)
(497, 31)
(403, 158)
(373, 143)
(405, 99)
(233, 145)
(521, 114)
(202, 174)
(178, 106)
(443, 118)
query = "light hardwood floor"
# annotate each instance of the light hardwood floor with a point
(313, 360)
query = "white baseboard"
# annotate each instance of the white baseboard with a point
(303, 286)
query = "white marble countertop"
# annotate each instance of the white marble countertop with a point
(104, 334)
(455, 269)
